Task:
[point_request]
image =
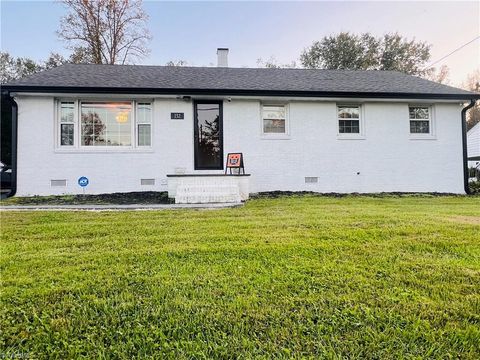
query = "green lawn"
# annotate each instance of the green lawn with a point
(314, 277)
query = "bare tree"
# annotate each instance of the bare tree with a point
(176, 63)
(272, 63)
(473, 84)
(106, 31)
(440, 76)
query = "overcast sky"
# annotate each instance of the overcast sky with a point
(192, 31)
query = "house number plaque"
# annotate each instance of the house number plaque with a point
(177, 116)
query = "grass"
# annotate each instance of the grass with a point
(292, 277)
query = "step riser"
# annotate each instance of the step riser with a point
(203, 190)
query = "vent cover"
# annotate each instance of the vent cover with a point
(311, 179)
(147, 181)
(62, 182)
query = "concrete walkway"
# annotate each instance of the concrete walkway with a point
(113, 207)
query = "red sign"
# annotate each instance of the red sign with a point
(234, 160)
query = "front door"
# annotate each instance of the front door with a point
(208, 138)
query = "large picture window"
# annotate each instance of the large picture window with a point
(106, 123)
(115, 124)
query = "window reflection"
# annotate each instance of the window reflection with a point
(106, 123)
(208, 136)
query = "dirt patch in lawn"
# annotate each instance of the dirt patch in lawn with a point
(469, 220)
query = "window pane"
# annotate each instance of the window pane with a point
(208, 136)
(144, 135)
(348, 112)
(274, 119)
(274, 126)
(349, 126)
(144, 113)
(106, 123)
(419, 127)
(67, 111)
(273, 112)
(66, 134)
(419, 112)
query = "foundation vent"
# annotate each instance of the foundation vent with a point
(311, 180)
(56, 183)
(147, 182)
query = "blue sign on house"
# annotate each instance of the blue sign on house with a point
(83, 181)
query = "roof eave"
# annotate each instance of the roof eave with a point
(238, 92)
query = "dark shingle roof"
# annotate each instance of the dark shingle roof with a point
(233, 81)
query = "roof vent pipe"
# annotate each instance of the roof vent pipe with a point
(222, 57)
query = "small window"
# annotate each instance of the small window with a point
(144, 124)
(274, 119)
(348, 119)
(67, 123)
(420, 119)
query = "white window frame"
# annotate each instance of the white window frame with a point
(137, 124)
(276, 136)
(78, 147)
(361, 122)
(431, 135)
(58, 124)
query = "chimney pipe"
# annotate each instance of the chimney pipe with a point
(222, 57)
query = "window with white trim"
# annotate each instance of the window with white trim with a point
(420, 120)
(274, 119)
(67, 123)
(104, 124)
(144, 124)
(348, 119)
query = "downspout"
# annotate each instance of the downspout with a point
(464, 145)
(14, 111)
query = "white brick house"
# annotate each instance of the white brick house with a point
(127, 127)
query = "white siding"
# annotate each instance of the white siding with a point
(473, 141)
(386, 160)
(473, 144)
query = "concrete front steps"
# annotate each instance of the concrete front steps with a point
(207, 189)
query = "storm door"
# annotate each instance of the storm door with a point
(208, 135)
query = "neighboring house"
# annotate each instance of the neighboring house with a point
(473, 143)
(127, 128)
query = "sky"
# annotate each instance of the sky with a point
(192, 31)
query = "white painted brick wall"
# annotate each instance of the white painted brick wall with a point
(388, 160)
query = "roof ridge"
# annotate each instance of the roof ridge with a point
(234, 68)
